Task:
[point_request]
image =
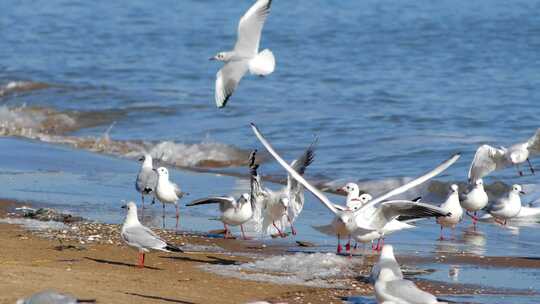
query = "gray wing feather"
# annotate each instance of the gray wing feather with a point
(486, 160)
(392, 209)
(534, 143)
(143, 237)
(250, 28)
(225, 202)
(227, 79)
(409, 292)
(146, 181)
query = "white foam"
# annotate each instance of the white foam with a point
(32, 224)
(316, 270)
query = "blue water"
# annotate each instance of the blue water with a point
(391, 88)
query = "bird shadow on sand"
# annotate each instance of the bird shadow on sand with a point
(210, 260)
(158, 298)
(120, 263)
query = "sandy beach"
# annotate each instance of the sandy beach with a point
(74, 260)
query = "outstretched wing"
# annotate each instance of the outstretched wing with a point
(392, 209)
(227, 79)
(534, 143)
(225, 202)
(486, 160)
(293, 173)
(417, 181)
(250, 28)
(295, 189)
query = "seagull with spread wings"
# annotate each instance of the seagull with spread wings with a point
(488, 159)
(245, 56)
(377, 213)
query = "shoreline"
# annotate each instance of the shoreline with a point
(101, 267)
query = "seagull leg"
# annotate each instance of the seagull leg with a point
(163, 215)
(338, 244)
(518, 170)
(140, 263)
(177, 216)
(142, 208)
(243, 233)
(441, 238)
(281, 234)
(530, 166)
(348, 247)
(293, 231)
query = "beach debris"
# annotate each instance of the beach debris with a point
(305, 244)
(48, 214)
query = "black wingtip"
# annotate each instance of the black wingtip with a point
(173, 248)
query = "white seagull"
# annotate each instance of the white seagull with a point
(281, 208)
(245, 55)
(375, 215)
(140, 237)
(488, 159)
(234, 212)
(167, 192)
(355, 200)
(507, 206)
(473, 199)
(391, 289)
(53, 297)
(452, 206)
(386, 260)
(146, 180)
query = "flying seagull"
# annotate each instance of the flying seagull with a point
(245, 56)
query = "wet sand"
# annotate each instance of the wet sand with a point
(74, 260)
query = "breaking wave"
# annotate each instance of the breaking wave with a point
(51, 126)
(14, 87)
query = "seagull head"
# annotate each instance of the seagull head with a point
(365, 198)
(454, 188)
(517, 189)
(244, 197)
(284, 202)
(162, 172)
(388, 252)
(479, 182)
(350, 188)
(131, 211)
(221, 56)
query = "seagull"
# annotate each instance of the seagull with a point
(52, 297)
(140, 237)
(507, 206)
(355, 200)
(245, 55)
(167, 192)
(287, 203)
(389, 288)
(146, 179)
(386, 260)
(452, 206)
(488, 159)
(234, 212)
(377, 213)
(474, 199)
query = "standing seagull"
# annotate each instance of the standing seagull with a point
(140, 237)
(146, 179)
(234, 212)
(286, 203)
(245, 55)
(386, 260)
(507, 206)
(474, 199)
(488, 159)
(167, 192)
(376, 214)
(453, 206)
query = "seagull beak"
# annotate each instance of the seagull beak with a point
(522, 192)
(141, 159)
(154, 169)
(212, 58)
(124, 206)
(341, 190)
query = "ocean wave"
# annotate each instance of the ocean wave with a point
(14, 87)
(51, 126)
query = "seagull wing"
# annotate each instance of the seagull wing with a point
(534, 143)
(419, 180)
(227, 79)
(250, 28)
(146, 180)
(408, 292)
(179, 193)
(143, 237)
(486, 159)
(392, 209)
(295, 189)
(225, 202)
(293, 173)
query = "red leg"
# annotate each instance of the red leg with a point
(279, 231)
(140, 263)
(292, 227)
(143, 256)
(243, 233)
